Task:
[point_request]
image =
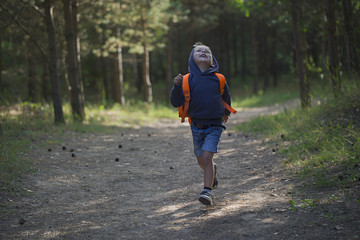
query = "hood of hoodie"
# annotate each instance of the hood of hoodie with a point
(194, 69)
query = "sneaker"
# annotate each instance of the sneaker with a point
(205, 198)
(216, 182)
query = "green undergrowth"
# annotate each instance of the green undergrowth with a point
(322, 143)
(242, 95)
(265, 98)
(28, 125)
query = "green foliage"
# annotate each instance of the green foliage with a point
(307, 204)
(139, 21)
(13, 162)
(241, 94)
(285, 91)
(322, 143)
(135, 113)
(265, 98)
(20, 125)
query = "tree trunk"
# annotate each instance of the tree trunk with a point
(235, 46)
(300, 56)
(146, 75)
(53, 68)
(106, 85)
(353, 58)
(45, 82)
(226, 63)
(76, 97)
(1, 62)
(347, 56)
(105, 76)
(119, 78)
(266, 58)
(323, 55)
(224, 57)
(254, 45)
(333, 48)
(31, 74)
(137, 73)
(1, 87)
(75, 21)
(347, 12)
(169, 61)
(191, 26)
(273, 61)
(64, 72)
(243, 53)
(146, 63)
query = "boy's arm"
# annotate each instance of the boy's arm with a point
(177, 98)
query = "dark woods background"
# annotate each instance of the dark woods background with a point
(130, 50)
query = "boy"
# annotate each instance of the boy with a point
(206, 111)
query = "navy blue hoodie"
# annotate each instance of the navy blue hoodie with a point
(205, 99)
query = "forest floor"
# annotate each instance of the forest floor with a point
(144, 182)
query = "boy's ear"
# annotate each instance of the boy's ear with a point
(212, 64)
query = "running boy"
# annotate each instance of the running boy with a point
(206, 111)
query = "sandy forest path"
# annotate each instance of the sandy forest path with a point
(144, 183)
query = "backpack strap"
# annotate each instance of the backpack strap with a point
(222, 82)
(183, 110)
(185, 86)
(222, 86)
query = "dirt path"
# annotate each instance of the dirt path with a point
(144, 183)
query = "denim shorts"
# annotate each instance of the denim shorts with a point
(206, 139)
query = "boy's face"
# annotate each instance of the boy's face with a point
(203, 55)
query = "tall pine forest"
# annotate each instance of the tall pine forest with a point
(126, 51)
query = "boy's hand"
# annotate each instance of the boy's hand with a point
(225, 118)
(178, 79)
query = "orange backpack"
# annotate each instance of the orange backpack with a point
(183, 110)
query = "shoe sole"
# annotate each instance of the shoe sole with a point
(205, 200)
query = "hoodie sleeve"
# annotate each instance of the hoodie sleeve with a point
(177, 98)
(227, 98)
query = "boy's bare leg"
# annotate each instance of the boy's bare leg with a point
(206, 163)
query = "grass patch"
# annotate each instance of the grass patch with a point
(322, 143)
(265, 98)
(13, 163)
(242, 94)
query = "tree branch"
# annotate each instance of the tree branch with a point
(38, 10)
(27, 33)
